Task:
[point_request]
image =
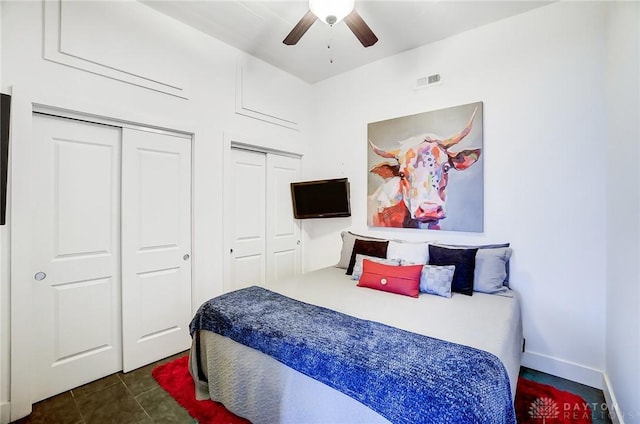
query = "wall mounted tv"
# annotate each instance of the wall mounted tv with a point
(5, 108)
(321, 198)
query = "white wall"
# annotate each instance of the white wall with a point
(168, 50)
(4, 296)
(623, 210)
(4, 299)
(540, 77)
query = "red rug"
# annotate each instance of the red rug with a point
(174, 377)
(535, 402)
(541, 403)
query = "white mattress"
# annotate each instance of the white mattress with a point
(261, 389)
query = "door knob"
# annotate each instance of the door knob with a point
(185, 257)
(40, 276)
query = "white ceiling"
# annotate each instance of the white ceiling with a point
(258, 28)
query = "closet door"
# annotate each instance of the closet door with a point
(261, 233)
(76, 334)
(283, 231)
(156, 246)
(245, 219)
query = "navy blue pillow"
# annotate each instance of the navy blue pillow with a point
(464, 261)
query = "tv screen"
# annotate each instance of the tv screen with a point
(321, 199)
(5, 108)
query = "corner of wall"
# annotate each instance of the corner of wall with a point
(612, 403)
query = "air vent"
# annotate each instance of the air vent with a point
(427, 81)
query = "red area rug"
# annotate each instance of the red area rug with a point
(535, 402)
(174, 377)
(541, 403)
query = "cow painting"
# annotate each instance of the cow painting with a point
(415, 174)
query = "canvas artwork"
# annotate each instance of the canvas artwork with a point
(426, 170)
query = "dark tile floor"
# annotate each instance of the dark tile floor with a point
(135, 397)
(120, 398)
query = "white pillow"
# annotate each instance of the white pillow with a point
(408, 252)
(357, 268)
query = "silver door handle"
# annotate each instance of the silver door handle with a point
(40, 276)
(185, 257)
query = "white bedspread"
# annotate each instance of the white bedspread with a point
(257, 387)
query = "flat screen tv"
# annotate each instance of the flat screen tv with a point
(321, 198)
(5, 108)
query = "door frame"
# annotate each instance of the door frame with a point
(231, 141)
(20, 202)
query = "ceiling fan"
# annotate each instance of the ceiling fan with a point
(331, 12)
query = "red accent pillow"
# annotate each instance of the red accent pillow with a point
(390, 278)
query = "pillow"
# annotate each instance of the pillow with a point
(464, 261)
(369, 248)
(357, 268)
(436, 279)
(403, 280)
(415, 253)
(491, 270)
(482, 247)
(348, 239)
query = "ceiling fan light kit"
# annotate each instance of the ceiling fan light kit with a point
(332, 12)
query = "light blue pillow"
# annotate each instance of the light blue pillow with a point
(436, 279)
(491, 270)
(357, 267)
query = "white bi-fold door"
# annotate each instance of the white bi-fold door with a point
(111, 237)
(263, 237)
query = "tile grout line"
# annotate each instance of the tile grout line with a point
(135, 398)
(75, 402)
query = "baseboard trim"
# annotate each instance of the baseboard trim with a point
(5, 413)
(561, 368)
(612, 403)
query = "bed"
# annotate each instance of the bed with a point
(254, 385)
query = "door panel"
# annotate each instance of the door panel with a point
(75, 301)
(77, 163)
(283, 231)
(156, 245)
(76, 248)
(246, 212)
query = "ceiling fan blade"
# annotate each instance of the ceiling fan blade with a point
(360, 29)
(301, 27)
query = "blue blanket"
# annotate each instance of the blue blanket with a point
(405, 377)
